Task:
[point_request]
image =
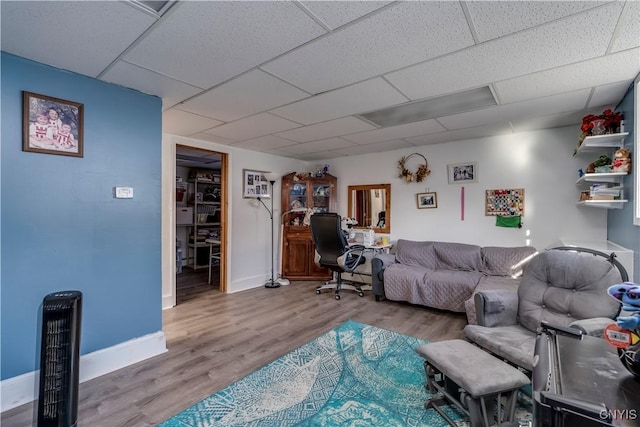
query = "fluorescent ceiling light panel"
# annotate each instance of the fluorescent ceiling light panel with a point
(431, 108)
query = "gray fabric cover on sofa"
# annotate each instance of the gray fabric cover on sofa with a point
(445, 275)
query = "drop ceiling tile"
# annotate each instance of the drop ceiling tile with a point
(316, 146)
(628, 34)
(171, 91)
(595, 72)
(572, 118)
(358, 98)
(396, 132)
(401, 35)
(609, 94)
(29, 29)
(493, 19)
(263, 143)
(335, 14)
(503, 113)
(178, 122)
(253, 127)
(212, 138)
(461, 134)
(373, 148)
(555, 44)
(338, 127)
(224, 38)
(310, 157)
(243, 96)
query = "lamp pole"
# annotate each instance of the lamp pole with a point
(271, 283)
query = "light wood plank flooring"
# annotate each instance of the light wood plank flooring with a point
(215, 339)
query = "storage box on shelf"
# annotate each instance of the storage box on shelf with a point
(610, 193)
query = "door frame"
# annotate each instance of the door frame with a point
(168, 201)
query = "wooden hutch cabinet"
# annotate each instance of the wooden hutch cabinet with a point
(298, 250)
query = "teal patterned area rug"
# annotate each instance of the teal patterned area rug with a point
(354, 375)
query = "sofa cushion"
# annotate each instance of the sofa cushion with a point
(562, 286)
(513, 343)
(458, 256)
(402, 282)
(412, 253)
(503, 261)
(443, 289)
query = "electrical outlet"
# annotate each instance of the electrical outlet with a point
(123, 192)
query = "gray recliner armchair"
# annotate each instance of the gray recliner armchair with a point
(565, 287)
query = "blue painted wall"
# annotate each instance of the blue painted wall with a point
(620, 228)
(61, 227)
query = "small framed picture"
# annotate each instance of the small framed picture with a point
(427, 200)
(462, 173)
(52, 125)
(255, 185)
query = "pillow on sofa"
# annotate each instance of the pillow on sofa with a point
(419, 254)
(503, 261)
(458, 256)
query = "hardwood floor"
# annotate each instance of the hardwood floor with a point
(215, 339)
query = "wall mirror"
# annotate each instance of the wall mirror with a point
(370, 205)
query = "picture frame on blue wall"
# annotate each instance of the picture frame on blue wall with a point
(52, 125)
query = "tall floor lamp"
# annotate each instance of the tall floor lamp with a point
(271, 177)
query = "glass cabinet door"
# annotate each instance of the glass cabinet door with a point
(321, 196)
(298, 196)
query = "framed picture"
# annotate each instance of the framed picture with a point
(255, 185)
(427, 200)
(462, 173)
(52, 125)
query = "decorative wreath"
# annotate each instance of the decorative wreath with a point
(422, 172)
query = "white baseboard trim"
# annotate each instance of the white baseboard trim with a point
(247, 283)
(23, 388)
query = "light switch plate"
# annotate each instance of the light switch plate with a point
(123, 192)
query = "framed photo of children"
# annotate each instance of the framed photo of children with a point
(427, 200)
(254, 184)
(52, 125)
(462, 173)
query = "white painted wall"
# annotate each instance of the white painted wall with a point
(541, 162)
(249, 237)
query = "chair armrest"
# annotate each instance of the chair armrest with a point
(378, 264)
(594, 327)
(352, 258)
(496, 308)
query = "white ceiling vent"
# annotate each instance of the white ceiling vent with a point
(446, 105)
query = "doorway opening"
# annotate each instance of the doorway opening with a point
(201, 218)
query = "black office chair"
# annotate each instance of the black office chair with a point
(333, 251)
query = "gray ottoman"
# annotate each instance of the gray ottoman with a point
(479, 379)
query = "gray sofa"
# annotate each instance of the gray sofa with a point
(446, 275)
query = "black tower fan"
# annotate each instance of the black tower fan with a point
(60, 359)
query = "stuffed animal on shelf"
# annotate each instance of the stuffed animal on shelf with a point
(621, 161)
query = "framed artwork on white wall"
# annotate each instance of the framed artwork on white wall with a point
(462, 173)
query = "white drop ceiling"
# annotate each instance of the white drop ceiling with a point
(293, 77)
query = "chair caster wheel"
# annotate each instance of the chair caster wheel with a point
(317, 291)
(378, 298)
(361, 294)
(338, 297)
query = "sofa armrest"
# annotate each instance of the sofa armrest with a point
(496, 308)
(378, 264)
(594, 327)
